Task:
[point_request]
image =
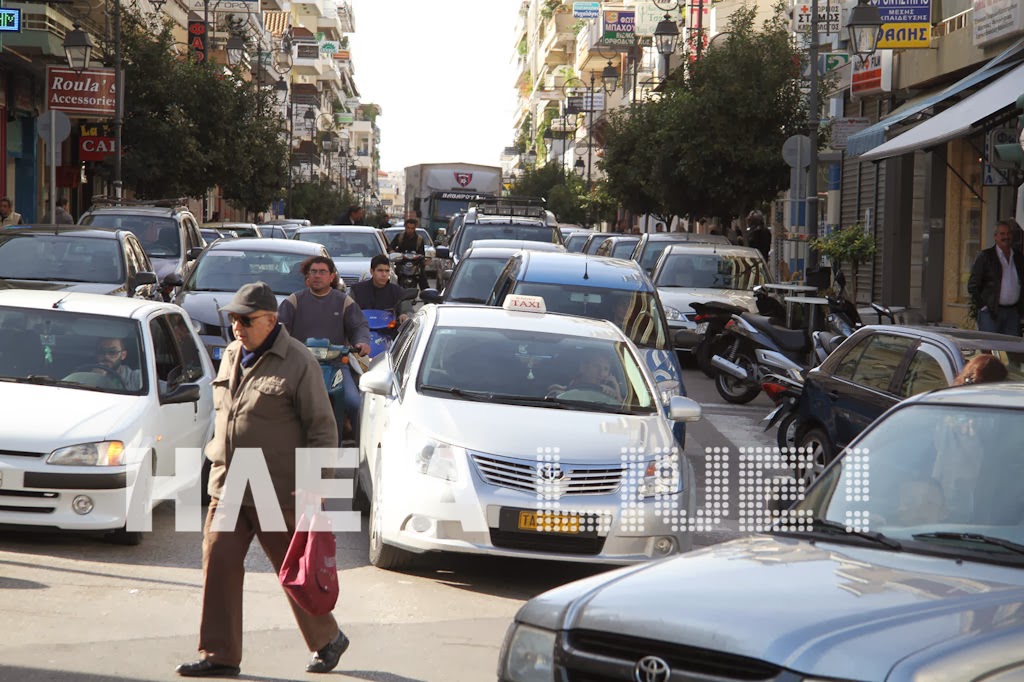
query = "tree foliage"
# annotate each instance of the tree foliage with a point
(711, 145)
(322, 203)
(189, 126)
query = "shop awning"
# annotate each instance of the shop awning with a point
(957, 121)
(874, 135)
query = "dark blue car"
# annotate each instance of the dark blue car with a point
(604, 288)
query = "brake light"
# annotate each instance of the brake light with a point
(773, 391)
(392, 324)
(700, 318)
(730, 323)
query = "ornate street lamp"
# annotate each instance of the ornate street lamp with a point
(281, 91)
(610, 78)
(235, 50)
(579, 167)
(862, 24)
(310, 118)
(665, 36)
(530, 158)
(78, 49)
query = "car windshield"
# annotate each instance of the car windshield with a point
(652, 252)
(927, 469)
(246, 232)
(634, 312)
(527, 233)
(623, 249)
(474, 279)
(229, 269)
(392, 232)
(62, 258)
(71, 350)
(160, 237)
(344, 243)
(575, 241)
(537, 369)
(712, 271)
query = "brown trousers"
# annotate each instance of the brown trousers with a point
(220, 629)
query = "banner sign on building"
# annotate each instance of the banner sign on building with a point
(842, 128)
(828, 17)
(872, 76)
(997, 19)
(586, 10)
(649, 15)
(89, 93)
(94, 147)
(225, 7)
(905, 24)
(198, 35)
(618, 28)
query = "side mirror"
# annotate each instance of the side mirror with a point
(430, 296)
(183, 393)
(377, 380)
(442, 252)
(172, 280)
(448, 274)
(194, 252)
(143, 278)
(681, 409)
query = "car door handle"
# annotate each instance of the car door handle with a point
(833, 395)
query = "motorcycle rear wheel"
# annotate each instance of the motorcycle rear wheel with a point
(785, 436)
(734, 390)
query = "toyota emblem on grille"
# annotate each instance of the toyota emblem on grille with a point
(651, 669)
(550, 473)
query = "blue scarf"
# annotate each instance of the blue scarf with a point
(249, 357)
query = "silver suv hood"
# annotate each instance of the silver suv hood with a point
(818, 609)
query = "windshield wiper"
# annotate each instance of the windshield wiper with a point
(468, 299)
(976, 538)
(41, 380)
(836, 528)
(451, 390)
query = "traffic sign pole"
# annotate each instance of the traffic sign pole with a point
(53, 165)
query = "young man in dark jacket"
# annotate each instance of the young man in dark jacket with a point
(379, 293)
(995, 284)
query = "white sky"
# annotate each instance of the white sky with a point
(441, 71)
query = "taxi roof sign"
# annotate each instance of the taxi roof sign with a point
(523, 303)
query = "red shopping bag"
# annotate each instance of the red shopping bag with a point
(309, 573)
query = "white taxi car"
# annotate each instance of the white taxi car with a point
(92, 387)
(528, 434)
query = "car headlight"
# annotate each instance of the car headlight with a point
(528, 655)
(673, 314)
(433, 457)
(661, 477)
(105, 454)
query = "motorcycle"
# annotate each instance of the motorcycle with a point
(408, 267)
(711, 319)
(785, 392)
(331, 358)
(384, 325)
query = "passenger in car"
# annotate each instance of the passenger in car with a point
(594, 374)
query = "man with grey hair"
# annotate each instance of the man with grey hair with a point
(995, 284)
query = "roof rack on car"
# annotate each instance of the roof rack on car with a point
(102, 200)
(532, 207)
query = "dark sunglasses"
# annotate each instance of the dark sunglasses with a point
(245, 321)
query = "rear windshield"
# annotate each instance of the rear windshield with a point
(62, 258)
(712, 271)
(339, 244)
(527, 233)
(474, 279)
(160, 237)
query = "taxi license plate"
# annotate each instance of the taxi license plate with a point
(702, 328)
(218, 351)
(549, 523)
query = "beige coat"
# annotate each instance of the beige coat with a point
(281, 405)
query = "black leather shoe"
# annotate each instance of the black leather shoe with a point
(326, 659)
(207, 668)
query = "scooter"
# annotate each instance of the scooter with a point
(785, 392)
(711, 319)
(408, 267)
(384, 325)
(331, 358)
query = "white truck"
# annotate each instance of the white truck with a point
(434, 192)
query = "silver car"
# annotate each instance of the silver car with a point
(351, 246)
(481, 433)
(903, 561)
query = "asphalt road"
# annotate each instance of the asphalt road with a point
(76, 608)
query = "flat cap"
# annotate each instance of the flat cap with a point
(251, 298)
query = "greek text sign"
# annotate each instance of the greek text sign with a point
(586, 10)
(87, 93)
(997, 19)
(905, 24)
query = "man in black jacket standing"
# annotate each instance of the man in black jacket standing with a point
(353, 216)
(995, 284)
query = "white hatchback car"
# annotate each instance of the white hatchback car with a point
(92, 387)
(527, 434)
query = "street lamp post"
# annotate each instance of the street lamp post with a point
(665, 36)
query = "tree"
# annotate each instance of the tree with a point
(564, 195)
(711, 145)
(319, 202)
(853, 245)
(188, 126)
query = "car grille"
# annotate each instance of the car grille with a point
(691, 661)
(540, 542)
(526, 475)
(7, 500)
(20, 453)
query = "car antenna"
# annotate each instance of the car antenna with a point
(586, 264)
(56, 305)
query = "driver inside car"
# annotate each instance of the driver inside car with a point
(594, 374)
(110, 364)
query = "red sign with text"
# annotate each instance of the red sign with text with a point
(94, 147)
(89, 93)
(197, 37)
